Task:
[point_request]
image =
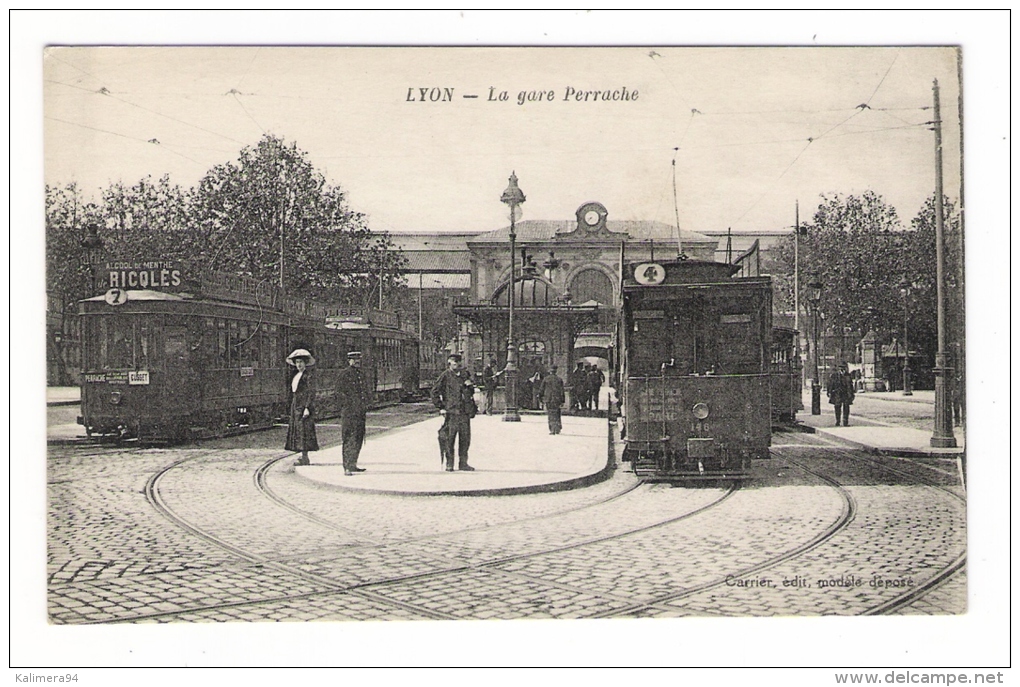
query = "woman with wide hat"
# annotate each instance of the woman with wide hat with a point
(301, 427)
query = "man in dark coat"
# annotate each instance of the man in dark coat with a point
(578, 381)
(595, 381)
(352, 397)
(553, 397)
(841, 393)
(536, 387)
(453, 394)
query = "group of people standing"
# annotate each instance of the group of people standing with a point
(352, 397)
(586, 385)
(453, 393)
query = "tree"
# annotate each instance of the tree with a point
(147, 221)
(925, 302)
(863, 257)
(273, 195)
(67, 215)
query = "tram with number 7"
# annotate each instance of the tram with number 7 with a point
(163, 366)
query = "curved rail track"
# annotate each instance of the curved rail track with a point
(441, 566)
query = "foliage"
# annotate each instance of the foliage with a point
(274, 193)
(145, 220)
(67, 215)
(231, 221)
(865, 259)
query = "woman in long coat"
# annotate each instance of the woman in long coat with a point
(301, 427)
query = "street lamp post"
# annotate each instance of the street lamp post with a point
(512, 196)
(905, 290)
(93, 246)
(814, 296)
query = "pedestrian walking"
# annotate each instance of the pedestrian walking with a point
(553, 397)
(301, 424)
(453, 394)
(586, 385)
(841, 393)
(595, 381)
(536, 389)
(352, 398)
(489, 375)
(577, 384)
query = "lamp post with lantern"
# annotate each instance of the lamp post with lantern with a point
(907, 391)
(814, 297)
(93, 246)
(512, 196)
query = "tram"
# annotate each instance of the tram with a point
(785, 376)
(162, 366)
(696, 346)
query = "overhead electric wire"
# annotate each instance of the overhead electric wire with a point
(174, 119)
(151, 141)
(233, 92)
(866, 105)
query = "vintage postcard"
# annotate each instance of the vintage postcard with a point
(504, 333)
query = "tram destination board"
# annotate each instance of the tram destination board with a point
(155, 275)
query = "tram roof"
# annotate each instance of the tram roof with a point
(144, 295)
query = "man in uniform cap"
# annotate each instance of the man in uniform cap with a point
(353, 398)
(453, 394)
(553, 397)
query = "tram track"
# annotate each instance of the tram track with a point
(261, 482)
(847, 514)
(941, 576)
(373, 590)
(366, 590)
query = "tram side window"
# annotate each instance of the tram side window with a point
(222, 345)
(233, 339)
(143, 342)
(245, 346)
(209, 341)
(274, 347)
(649, 346)
(738, 344)
(175, 344)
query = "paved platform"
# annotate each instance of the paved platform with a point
(508, 457)
(878, 436)
(899, 441)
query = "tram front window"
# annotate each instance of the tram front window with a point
(119, 347)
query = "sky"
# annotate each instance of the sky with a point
(750, 131)
(743, 160)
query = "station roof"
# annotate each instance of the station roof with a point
(439, 280)
(434, 252)
(547, 230)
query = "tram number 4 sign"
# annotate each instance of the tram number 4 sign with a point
(649, 274)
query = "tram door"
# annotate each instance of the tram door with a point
(181, 387)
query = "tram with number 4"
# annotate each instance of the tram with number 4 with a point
(696, 358)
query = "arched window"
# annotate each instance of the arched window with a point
(592, 285)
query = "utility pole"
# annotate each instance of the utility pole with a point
(942, 437)
(382, 264)
(796, 268)
(420, 287)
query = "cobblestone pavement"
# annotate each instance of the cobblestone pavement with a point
(817, 530)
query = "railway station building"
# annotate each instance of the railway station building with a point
(566, 285)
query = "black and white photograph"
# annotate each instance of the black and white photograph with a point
(627, 342)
